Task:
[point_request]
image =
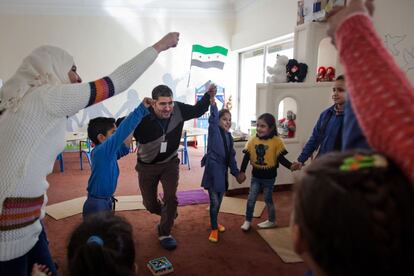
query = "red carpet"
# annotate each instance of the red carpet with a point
(236, 253)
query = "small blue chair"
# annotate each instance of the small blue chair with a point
(87, 152)
(185, 158)
(61, 163)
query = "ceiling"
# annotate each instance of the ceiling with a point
(229, 7)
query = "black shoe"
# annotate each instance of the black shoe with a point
(169, 243)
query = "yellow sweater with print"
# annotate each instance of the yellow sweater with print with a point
(264, 156)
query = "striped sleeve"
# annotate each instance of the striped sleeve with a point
(101, 89)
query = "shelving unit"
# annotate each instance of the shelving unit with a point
(311, 46)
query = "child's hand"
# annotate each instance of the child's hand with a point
(212, 90)
(241, 177)
(147, 102)
(40, 270)
(212, 101)
(296, 166)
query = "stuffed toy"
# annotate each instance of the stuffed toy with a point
(330, 74)
(287, 125)
(321, 74)
(278, 71)
(296, 72)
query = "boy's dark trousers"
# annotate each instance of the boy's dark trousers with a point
(149, 175)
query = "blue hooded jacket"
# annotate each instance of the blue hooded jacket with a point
(326, 135)
(215, 161)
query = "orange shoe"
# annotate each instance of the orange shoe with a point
(221, 228)
(213, 236)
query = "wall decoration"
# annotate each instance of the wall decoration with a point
(202, 122)
(408, 56)
(391, 42)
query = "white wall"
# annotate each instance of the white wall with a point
(262, 21)
(100, 43)
(392, 19)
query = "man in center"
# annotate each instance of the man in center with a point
(158, 138)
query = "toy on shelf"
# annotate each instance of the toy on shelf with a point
(296, 72)
(321, 74)
(287, 126)
(278, 71)
(160, 266)
(330, 74)
(301, 13)
(326, 74)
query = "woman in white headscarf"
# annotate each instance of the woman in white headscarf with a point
(35, 103)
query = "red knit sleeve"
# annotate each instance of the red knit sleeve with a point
(381, 94)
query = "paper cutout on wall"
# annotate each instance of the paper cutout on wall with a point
(100, 110)
(409, 59)
(391, 42)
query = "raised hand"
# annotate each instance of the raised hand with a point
(212, 90)
(168, 41)
(147, 102)
(339, 14)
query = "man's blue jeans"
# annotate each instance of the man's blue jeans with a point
(256, 185)
(215, 203)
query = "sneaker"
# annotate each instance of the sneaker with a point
(213, 236)
(221, 228)
(267, 224)
(246, 226)
(168, 242)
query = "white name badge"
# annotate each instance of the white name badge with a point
(163, 147)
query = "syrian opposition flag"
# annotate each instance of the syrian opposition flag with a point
(207, 57)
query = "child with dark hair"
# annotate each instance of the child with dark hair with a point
(110, 145)
(102, 245)
(264, 152)
(220, 156)
(353, 215)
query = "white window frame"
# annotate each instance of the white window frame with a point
(281, 42)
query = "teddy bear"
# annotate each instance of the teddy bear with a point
(278, 71)
(296, 72)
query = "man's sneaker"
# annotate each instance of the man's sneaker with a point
(221, 228)
(267, 224)
(168, 242)
(246, 226)
(213, 236)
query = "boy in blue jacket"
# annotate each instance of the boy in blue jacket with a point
(110, 145)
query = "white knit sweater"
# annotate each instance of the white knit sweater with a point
(32, 137)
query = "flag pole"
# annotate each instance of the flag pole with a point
(189, 74)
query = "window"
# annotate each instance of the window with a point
(252, 71)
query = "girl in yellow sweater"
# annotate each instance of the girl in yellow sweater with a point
(264, 152)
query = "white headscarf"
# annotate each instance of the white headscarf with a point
(45, 65)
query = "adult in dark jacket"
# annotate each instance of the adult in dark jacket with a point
(158, 138)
